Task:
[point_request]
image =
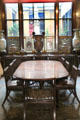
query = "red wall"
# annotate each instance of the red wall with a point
(25, 1)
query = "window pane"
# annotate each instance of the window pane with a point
(50, 43)
(28, 28)
(27, 11)
(65, 27)
(0, 14)
(49, 28)
(12, 11)
(28, 43)
(65, 45)
(65, 10)
(0, 21)
(13, 28)
(49, 10)
(38, 11)
(13, 41)
(38, 27)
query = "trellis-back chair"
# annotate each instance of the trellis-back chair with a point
(70, 83)
(11, 82)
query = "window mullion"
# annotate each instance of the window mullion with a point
(20, 10)
(57, 25)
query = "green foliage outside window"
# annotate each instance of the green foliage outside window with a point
(64, 31)
(14, 30)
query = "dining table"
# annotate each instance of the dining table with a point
(41, 70)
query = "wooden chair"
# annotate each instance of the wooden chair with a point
(70, 83)
(66, 63)
(62, 60)
(67, 66)
(11, 82)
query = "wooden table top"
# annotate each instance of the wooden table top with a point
(41, 70)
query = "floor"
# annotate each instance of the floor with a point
(14, 108)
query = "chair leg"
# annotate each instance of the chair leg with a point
(24, 87)
(57, 98)
(24, 113)
(41, 84)
(71, 91)
(7, 94)
(54, 111)
(24, 94)
(73, 100)
(75, 94)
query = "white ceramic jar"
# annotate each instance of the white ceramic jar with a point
(2, 42)
(76, 39)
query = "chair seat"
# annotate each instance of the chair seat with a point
(14, 85)
(66, 84)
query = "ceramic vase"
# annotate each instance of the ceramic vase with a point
(76, 40)
(2, 42)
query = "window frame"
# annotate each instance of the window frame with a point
(21, 35)
(43, 19)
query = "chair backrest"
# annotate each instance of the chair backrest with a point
(67, 65)
(12, 62)
(10, 69)
(74, 73)
(73, 76)
(62, 59)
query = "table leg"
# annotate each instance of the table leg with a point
(24, 91)
(41, 84)
(24, 114)
(54, 110)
